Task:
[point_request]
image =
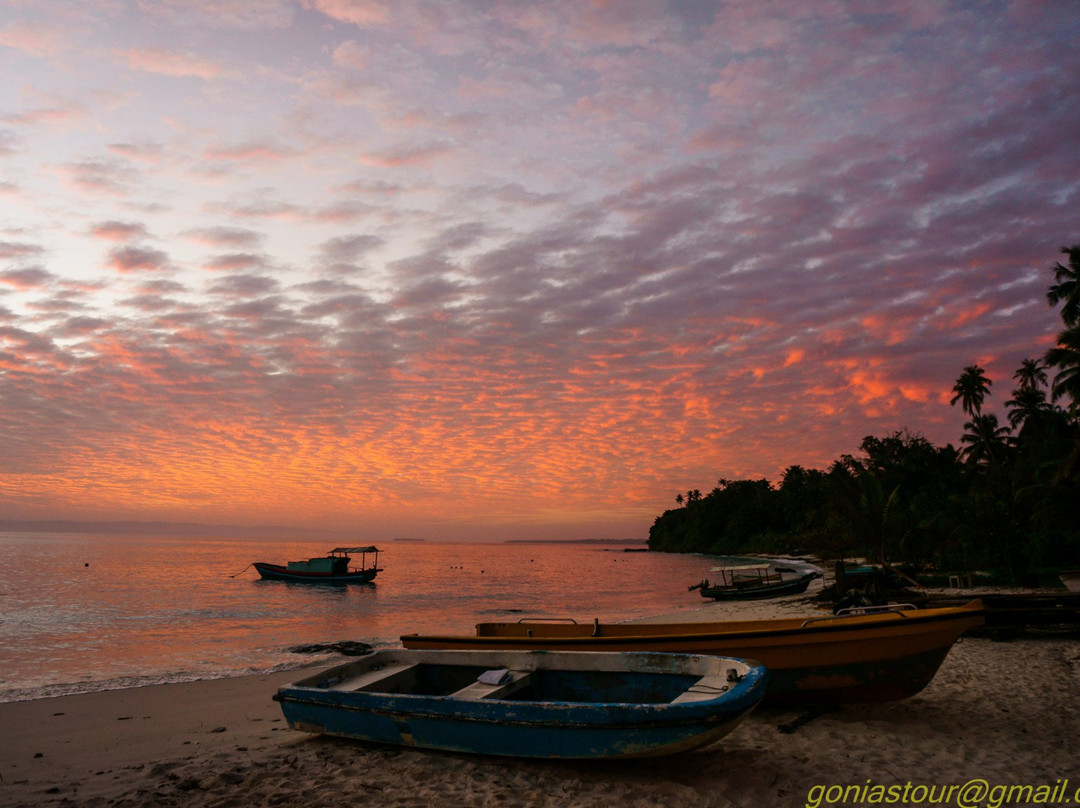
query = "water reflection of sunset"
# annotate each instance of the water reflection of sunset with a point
(86, 612)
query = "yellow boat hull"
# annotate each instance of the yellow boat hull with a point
(857, 658)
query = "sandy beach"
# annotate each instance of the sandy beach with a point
(1000, 712)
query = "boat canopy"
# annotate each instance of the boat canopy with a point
(739, 569)
(347, 550)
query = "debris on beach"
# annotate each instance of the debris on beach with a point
(343, 647)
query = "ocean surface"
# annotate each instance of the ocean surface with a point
(80, 613)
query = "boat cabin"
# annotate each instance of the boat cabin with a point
(336, 562)
(745, 575)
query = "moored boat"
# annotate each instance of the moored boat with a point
(873, 656)
(529, 703)
(753, 582)
(333, 568)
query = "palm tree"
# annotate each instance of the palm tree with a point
(1025, 403)
(1067, 357)
(876, 509)
(1067, 288)
(985, 440)
(1031, 374)
(971, 388)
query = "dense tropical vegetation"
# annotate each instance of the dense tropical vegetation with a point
(1006, 501)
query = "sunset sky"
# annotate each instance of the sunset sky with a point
(477, 270)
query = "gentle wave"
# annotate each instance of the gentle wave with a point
(87, 613)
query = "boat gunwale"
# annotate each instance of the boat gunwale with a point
(391, 661)
(845, 623)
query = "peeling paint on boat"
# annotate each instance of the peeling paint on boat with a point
(560, 705)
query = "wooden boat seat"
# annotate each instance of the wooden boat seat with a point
(479, 690)
(382, 679)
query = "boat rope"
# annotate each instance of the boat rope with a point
(707, 689)
(245, 569)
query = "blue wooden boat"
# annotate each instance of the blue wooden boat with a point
(333, 568)
(543, 704)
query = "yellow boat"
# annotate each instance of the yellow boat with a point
(872, 656)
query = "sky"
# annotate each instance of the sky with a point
(482, 270)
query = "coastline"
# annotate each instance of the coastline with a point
(1000, 711)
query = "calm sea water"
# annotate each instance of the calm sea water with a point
(80, 613)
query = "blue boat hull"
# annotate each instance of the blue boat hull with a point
(277, 572)
(531, 725)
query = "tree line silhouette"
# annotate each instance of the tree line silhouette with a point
(1006, 501)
